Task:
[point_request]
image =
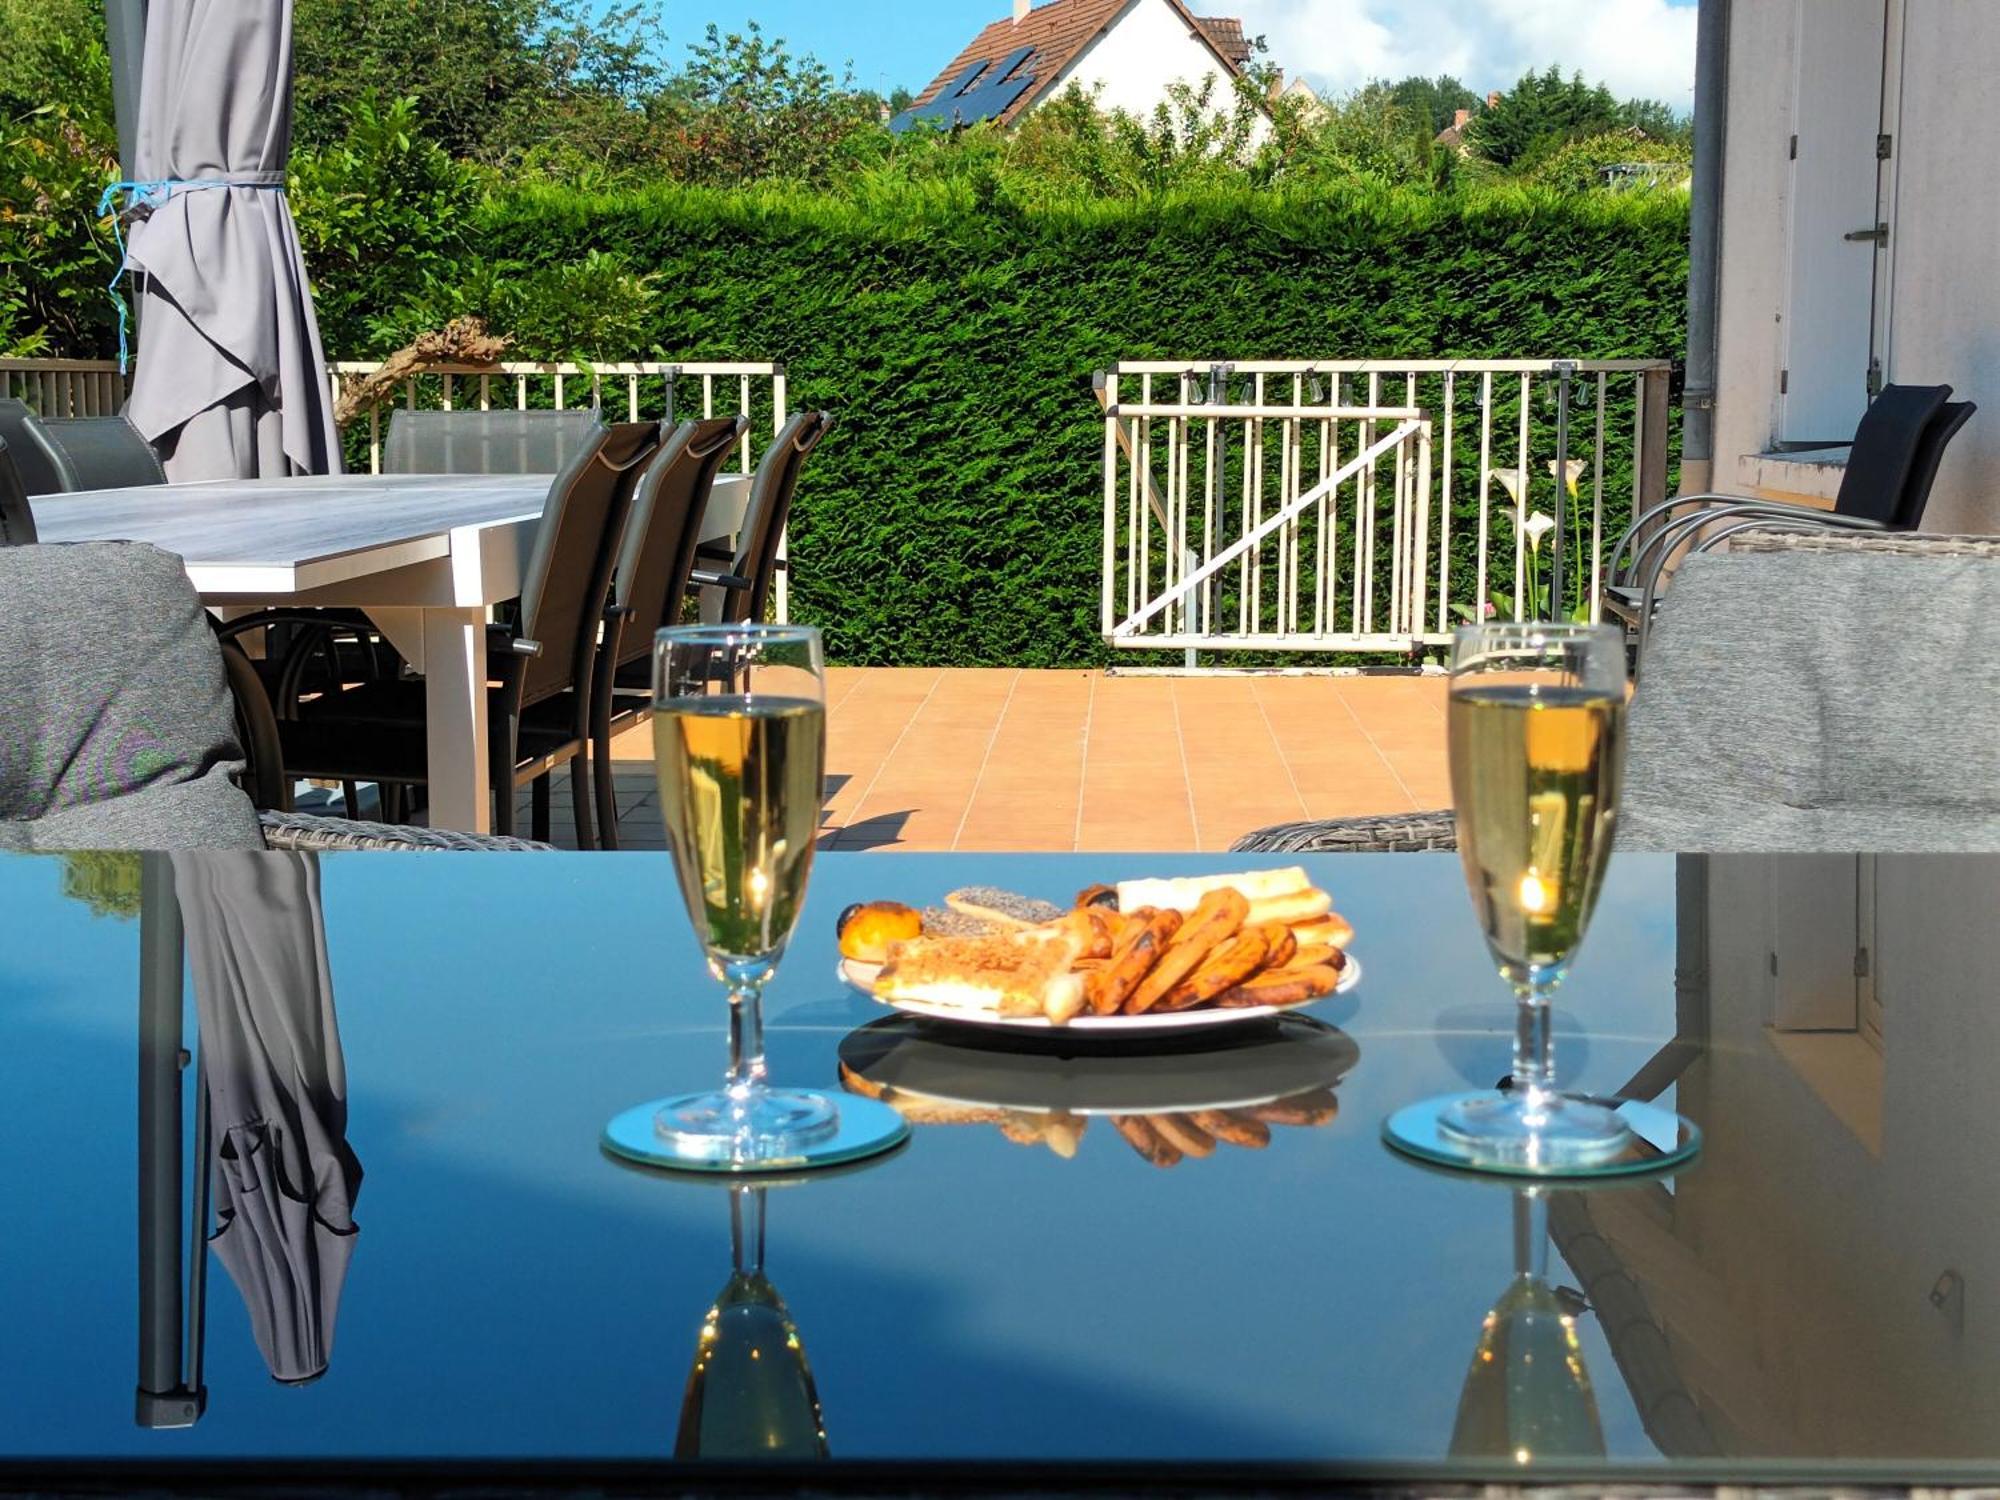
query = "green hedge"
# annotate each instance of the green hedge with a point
(954, 516)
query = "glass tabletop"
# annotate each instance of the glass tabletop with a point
(1089, 1258)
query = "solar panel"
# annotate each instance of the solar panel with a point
(978, 93)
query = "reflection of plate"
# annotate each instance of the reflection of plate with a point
(895, 1058)
(862, 977)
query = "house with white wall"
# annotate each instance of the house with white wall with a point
(1127, 54)
(1855, 239)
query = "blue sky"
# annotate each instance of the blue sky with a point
(1639, 47)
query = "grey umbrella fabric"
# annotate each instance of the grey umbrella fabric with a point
(284, 1177)
(231, 379)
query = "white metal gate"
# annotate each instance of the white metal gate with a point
(1364, 506)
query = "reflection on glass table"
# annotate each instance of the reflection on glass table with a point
(274, 1174)
(1172, 1099)
(750, 1393)
(1527, 1397)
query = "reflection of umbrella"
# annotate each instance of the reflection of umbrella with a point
(231, 382)
(284, 1176)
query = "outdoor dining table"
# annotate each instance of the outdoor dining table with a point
(1018, 1298)
(427, 556)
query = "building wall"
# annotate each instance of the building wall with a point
(1944, 269)
(1147, 50)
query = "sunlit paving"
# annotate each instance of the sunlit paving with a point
(1003, 748)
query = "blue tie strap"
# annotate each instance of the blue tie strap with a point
(151, 196)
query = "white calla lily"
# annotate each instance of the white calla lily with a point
(1537, 526)
(1572, 473)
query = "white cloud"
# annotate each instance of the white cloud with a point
(1639, 48)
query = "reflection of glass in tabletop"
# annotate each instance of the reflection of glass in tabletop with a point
(1527, 1397)
(751, 1392)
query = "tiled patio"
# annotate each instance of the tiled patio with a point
(928, 759)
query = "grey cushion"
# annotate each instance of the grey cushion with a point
(1832, 701)
(116, 727)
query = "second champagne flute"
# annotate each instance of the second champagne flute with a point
(1537, 728)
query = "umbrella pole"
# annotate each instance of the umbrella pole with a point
(125, 40)
(165, 1396)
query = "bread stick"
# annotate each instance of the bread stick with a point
(1145, 1140)
(1217, 917)
(1147, 934)
(1228, 964)
(1235, 1127)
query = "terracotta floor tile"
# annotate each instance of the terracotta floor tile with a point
(995, 759)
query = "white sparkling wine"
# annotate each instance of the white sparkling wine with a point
(1534, 773)
(750, 1393)
(740, 792)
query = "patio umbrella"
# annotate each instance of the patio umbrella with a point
(231, 381)
(284, 1177)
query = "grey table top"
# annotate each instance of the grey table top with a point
(290, 523)
(1808, 1299)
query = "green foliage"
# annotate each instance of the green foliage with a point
(1541, 112)
(954, 516)
(1580, 166)
(56, 255)
(384, 218)
(109, 884)
(497, 78)
(53, 51)
(1433, 103)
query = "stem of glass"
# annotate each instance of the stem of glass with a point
(1534, 1051)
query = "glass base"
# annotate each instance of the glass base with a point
(1575, 1137)
(793, 1131)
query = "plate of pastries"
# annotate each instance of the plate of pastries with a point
(1140, 957)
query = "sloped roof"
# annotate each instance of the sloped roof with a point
(1059, 31)
(1225, 33)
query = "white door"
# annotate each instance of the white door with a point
(1815, 934)
(1836, 118)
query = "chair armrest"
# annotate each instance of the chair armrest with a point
(706, 579)
(716, 551)
(301, 832)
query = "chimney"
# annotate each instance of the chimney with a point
(1021, 9)
(1493, 100)
(1458, 120)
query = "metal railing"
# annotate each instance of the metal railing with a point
(1366, 505)
(65, 387)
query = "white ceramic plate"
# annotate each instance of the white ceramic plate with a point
(1206, 1018)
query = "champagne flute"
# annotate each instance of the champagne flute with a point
(739, 737)
(1537, 726)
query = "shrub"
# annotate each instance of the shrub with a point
(953, 516)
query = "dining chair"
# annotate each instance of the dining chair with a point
(97, 453)
(1884, 486)
(31, 460)
(17, 520)
(754, 564)
(648, 583)
(539, 663)
(487, 442)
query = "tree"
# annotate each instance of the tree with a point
(1658, 119)
(493, 78)
(1433, 102)
(1539, 114)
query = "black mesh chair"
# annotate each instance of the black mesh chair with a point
(37, 471)
(17, 521)
(1891, 465)
(754, 565)
(97, 453)
(487, 442)
(655, 561)
(539, 666)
